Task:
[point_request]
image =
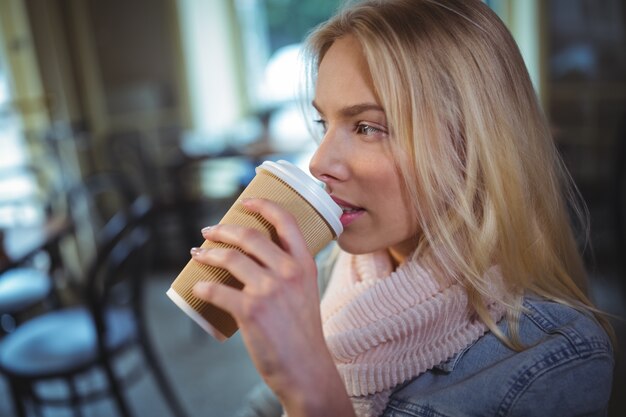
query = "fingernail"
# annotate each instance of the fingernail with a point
(195, 251)
(206, 229)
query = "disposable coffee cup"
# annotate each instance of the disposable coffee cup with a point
(317, 216)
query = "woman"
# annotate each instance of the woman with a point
(458, 289)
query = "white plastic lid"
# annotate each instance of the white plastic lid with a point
(308, 189)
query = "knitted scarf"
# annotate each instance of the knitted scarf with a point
(385, 327)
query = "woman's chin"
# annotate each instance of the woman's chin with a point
(356, 246)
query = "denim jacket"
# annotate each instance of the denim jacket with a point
(566, 370)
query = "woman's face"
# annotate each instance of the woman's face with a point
(354, 157)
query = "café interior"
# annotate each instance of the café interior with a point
(128, 125)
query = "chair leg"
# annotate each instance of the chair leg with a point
(122, 405)
(160, 377)
(74, 397)
(18, 398)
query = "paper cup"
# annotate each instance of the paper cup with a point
(317, 216)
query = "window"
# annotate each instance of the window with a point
(18, 189)
(271, 33)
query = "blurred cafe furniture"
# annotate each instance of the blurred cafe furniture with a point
(194, 176)
(189, 190)
(21, 289)
(131, 155)
(24, 284)
(103, 324)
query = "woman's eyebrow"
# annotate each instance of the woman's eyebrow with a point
(354, 110)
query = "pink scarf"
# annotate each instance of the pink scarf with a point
(385, 327)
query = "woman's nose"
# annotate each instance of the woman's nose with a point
(329, 163)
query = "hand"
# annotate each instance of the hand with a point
(278, 308)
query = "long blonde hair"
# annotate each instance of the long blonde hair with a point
(473, 147)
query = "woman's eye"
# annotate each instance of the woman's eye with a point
(321, 123)
(368, 130)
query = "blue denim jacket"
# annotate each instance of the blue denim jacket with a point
(565, 371)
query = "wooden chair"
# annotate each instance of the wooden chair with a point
(23, 284)
(70, 343)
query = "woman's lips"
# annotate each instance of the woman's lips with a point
(350, 211)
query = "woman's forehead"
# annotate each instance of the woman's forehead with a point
(343, 76)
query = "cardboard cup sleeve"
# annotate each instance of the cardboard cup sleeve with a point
(317, 216)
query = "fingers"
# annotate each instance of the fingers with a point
(259, 258)
(222, 296)
(254, 242)
(289, 233)
(238, 264)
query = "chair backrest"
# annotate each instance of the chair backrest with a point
(117, 272)
(130, 155)
(95, 206)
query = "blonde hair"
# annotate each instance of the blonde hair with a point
(473, 147)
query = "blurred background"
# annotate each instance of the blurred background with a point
(127, 125)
